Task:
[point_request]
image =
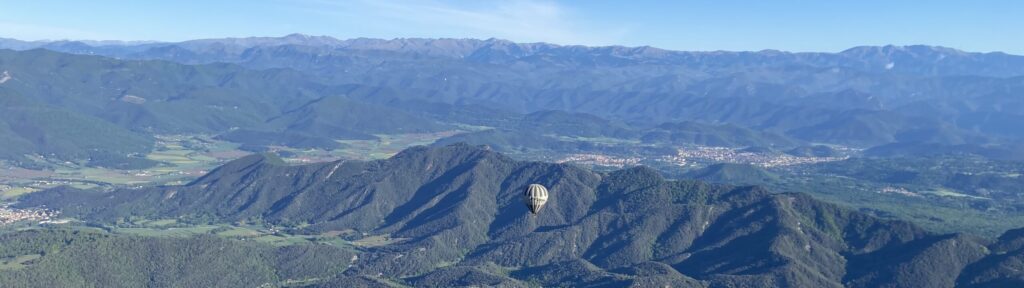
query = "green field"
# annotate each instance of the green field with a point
(180, 157)
(942, 191)
(377, 241)
(239, 232)
(168, 232)
(18, 262)
(598, 140)
(940, 210)
(156, 223)
(185, 157)
(13, 192)
(258, 233)
(387, 145)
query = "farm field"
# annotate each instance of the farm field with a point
(185, 157)
(248, 232)
(17, 262)
(180, 157)
(381, 148)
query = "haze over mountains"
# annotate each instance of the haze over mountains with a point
(862, 97)
(876, 130)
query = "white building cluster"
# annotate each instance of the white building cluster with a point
(600, 160)
(730, 155)
(11, 215)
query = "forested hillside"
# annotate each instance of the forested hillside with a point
(920, 98)
(84, 258)
(457, 217)
(863, 96)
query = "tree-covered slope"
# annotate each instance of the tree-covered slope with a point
(82, 258)
(30, 128)
(867, 95)
(154, 95)
(458, 214)
(76, 107)
(714, 135)
(935, 96)
(734, 174)
(338, 117)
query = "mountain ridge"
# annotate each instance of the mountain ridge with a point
(459, 204)
(383, 92)
(309, 39)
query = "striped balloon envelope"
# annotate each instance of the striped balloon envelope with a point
(535, 196)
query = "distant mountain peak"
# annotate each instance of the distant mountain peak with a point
(300, 36)
(890, 50)
(457, 149)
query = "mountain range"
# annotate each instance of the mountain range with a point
(920, 125)
(457, 213)
(926, 98)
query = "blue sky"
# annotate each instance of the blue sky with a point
(679, 25)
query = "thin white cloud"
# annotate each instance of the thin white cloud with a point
(40, 32)
(516, 20)
(523, 20)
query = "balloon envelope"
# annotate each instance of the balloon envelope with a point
(535, 196)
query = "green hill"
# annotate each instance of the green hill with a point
(341, 118)
(287, 138)
(848, 98)
(694, 133)
(813, 151)
(563, 123)
(77, 107)
(83, 258)
(737, 174)
(460, 204)
(28, 128)
(511, 141)
(154, 96)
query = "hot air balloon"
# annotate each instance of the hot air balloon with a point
(535, 196)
